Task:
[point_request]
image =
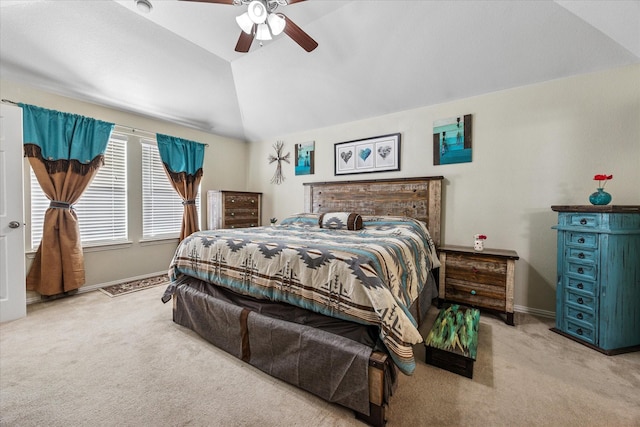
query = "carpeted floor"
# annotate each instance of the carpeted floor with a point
(88, 360)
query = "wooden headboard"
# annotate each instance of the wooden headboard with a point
(418, 198)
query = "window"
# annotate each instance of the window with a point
(161, 205)
(102, 209)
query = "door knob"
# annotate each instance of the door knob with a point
(14, 224)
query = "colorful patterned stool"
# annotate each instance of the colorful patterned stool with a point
(452, 343)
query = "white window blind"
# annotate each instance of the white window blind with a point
(102, 209)
(161, 205)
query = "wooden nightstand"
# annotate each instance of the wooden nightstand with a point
(479, 279)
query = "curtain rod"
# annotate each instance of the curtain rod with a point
(133, 130)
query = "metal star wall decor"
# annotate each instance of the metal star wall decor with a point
(277, 176)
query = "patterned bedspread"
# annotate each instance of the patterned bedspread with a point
(370, 276)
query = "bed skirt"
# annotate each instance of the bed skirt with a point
(335, 360)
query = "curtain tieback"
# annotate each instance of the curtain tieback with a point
(56, 204)
(189, 202)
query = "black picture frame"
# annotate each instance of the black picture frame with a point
(369, 155)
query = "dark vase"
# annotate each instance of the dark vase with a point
(600, 197)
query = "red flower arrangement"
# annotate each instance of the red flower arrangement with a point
(602, 179)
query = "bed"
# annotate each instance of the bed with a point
(331, 299)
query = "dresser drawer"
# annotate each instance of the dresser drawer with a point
(489, 270)
(241, 215)
(583, 255)
(586, 286)
(585, 333)
(581, 240)
(241, 219)
(578, 315)
(475, 294)
(240, 201)
(581, 270)
(240, 224)
(583, 220)
(584, 302)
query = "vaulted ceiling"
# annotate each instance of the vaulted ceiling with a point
(177, 63)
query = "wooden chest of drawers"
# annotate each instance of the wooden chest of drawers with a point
(598, 288)
(479, 279)
(233, 209)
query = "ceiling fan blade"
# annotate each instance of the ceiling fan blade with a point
(299, 36)
(245, 40)
(215, 1)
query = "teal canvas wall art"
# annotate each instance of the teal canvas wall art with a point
(452, 140)
(305, 153)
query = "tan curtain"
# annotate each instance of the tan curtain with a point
(182, 160)
(58, 266)
(65, 151)
(187, 188)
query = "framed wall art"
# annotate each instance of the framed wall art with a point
(452, 140)
(377, 154)
(305, 155)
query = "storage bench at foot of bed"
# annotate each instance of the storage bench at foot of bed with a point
(452, 342)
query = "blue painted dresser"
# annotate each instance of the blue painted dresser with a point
(598, 288)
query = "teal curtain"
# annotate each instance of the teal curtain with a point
(65, 151)
(182, 160)
(181, 155)
(65, 136)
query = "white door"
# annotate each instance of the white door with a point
(13, 295)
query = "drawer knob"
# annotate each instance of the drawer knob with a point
(583, 221)
(233, 214)
(581, 255)
(580, 270)
(253, 201)
(581, 240)
(580, 301)
(579, 316)
(473, 292)
(233, 200)
(579, 331)
(253, 225)
(233, 226)
(580, 286)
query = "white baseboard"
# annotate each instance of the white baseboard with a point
(534, 311)
(88, 288)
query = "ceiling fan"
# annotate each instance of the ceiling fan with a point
(261, 22)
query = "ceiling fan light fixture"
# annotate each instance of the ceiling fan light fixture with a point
(144, 6)
(245, 22)
(257, 11)
(276, 23)
(263, 33)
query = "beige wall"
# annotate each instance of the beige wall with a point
(533, 147)
(137, 259)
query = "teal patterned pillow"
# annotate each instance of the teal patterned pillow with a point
(341, 221)
(302, 220)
